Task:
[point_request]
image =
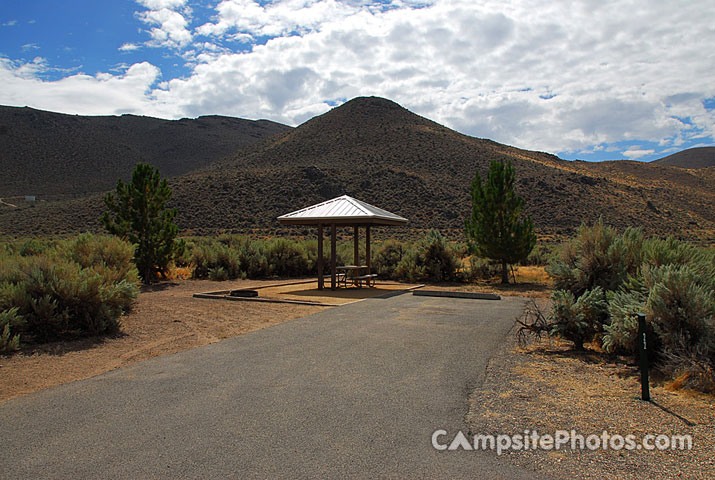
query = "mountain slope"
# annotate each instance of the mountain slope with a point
(51, 154)
(701, 157)
(379, 152)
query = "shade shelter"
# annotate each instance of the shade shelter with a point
(342, 211)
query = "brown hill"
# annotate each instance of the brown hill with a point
(700, 157)
(375, 150)
(51, 154)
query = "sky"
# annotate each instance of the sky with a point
(590, 80)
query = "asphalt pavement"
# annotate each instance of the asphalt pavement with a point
(351, 392)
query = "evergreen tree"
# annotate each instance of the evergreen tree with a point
(139, 214)
(495, 229)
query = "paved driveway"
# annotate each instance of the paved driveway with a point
(354, 391)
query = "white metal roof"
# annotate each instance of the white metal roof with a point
(345, 210)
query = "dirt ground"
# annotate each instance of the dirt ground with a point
(546, 386)
(532, 282)
(165, 319)
(309, 292)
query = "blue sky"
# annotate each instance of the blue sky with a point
(587, 79)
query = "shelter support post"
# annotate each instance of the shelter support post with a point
(332, 257)
(367, 248)
(356, 249)
(321, 280)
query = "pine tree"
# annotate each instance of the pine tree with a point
(495, 229)
(139, 214)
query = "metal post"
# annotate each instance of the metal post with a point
(321, 280)
(643, 351)
(367, 248)
(356, 245)
(332, 257)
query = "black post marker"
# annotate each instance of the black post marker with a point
(643, 350)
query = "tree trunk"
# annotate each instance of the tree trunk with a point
(504, 272)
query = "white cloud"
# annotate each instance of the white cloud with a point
(637, 152)
(101, 94)
(9, 23)
(159, 4)
(169, 20)
(545, 75)
(129, 47)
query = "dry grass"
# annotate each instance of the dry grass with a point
(309, 292)
(532, 282)
(547, 386)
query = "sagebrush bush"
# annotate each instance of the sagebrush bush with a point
(481, 269)
(681, 308)
(596, 257)
(286, 258)
(210, 258)
(9, 322)
(670, 281)
(578, 319)
(429, 259)
(79, 287)
(387, 257)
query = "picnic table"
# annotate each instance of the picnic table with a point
(355, 274)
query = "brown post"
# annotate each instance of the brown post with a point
(332, 257)
(321, 281)
(356, 250)
(367, 248)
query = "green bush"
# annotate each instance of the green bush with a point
(81, 287)
(286, 258)
(596, 257)
(9, 319)
(577, 319)
(254, 261)
(222, 260)
(387, 257)
(672, 282)
(481, 269)
(682, 309)
(430, 259)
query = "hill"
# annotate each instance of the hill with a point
(377, 151)
(701, 157)
(53, 155)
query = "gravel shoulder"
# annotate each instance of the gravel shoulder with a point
(546, 386)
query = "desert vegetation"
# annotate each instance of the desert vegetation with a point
(429, 258)
(603, 278)
(55, 289)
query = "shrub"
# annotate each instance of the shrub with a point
(670, 281)
(577, 320)
(682, 309)
(387, 257)
(620, 333)
(253, 260)
(439, 259)
(10, 319)
(210, 258)
(218, 274)
(286, 258)
(597, 257)
(81, 287)
(481, 269)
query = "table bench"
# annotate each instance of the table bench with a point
(368, 279)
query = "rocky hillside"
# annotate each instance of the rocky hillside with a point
(377, 151)
(701, 157)
(52, 155)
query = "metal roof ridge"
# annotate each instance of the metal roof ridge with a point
(358, 204)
